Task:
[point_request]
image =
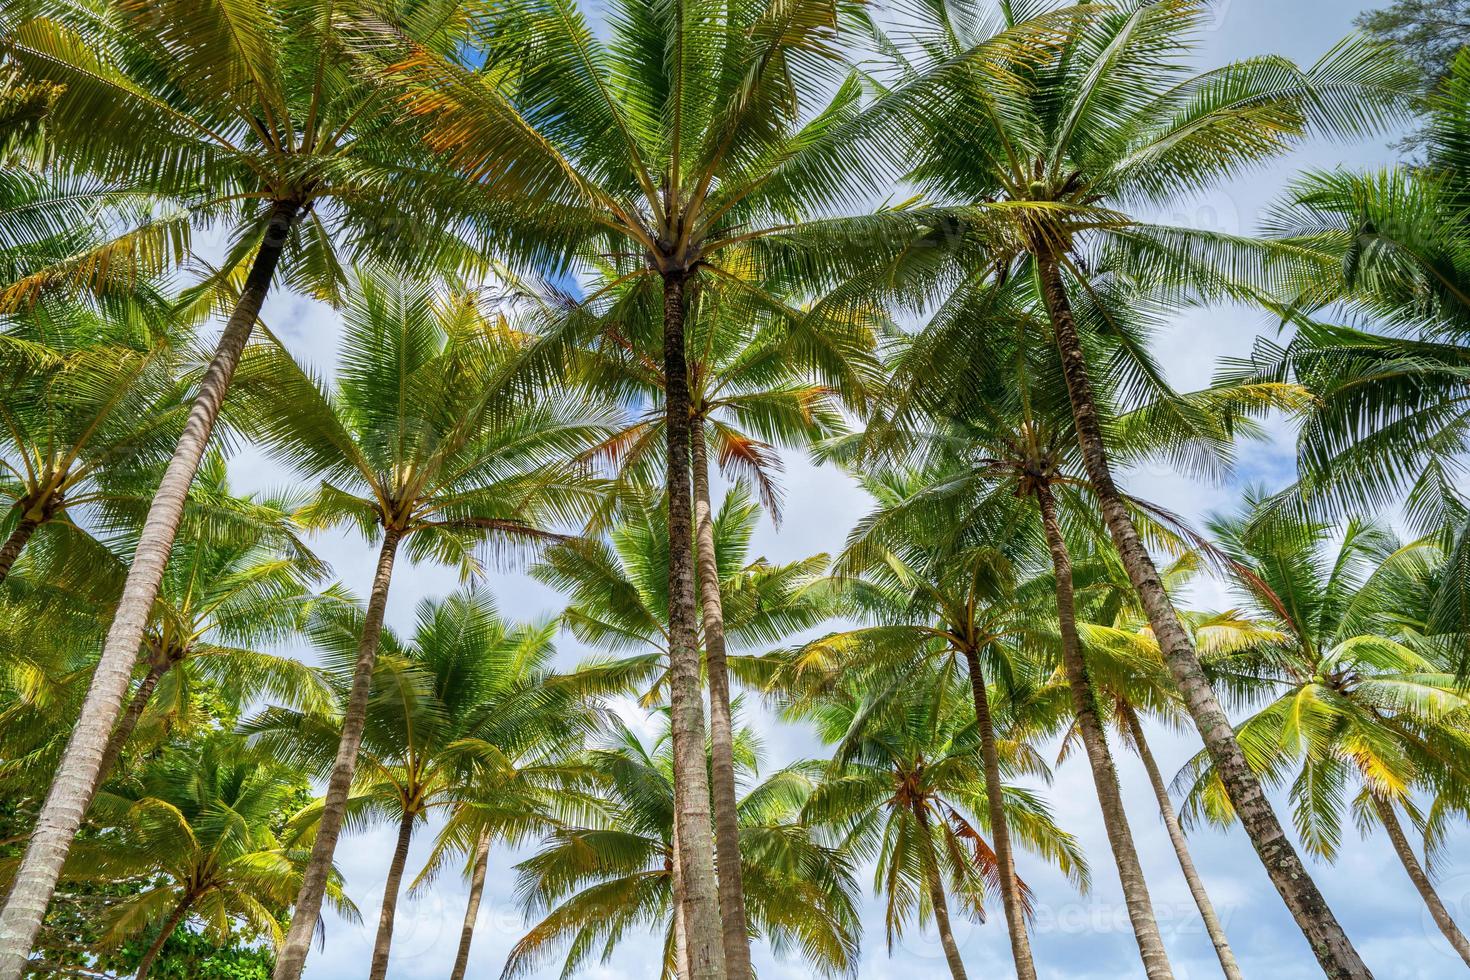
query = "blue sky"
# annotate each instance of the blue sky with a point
(1076, 937)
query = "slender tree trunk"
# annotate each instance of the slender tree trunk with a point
(472, 910)
(1331, 946)
(76, 775)
(721, 724)
(145, 965)
(681, 933)
(686, 707)
(1000, 832)
(129, 721)
(15, 544)
(1421, 881)
(292, 957)
(1094, 739)
(935, 884)
(384, 938)
(1181, 849)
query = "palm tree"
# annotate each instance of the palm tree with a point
(619, 598)
(1388, 427)
(1113, 121)
(94, 407)
(453, 706)
(904, 788)
(238, 579)
(614, 873)
(748, 392)
(1132, 680)
(198, 829)
(1357, 690)
(950, 609)
(258, 109)
(696, 143)
(420, 440)
(976, 443)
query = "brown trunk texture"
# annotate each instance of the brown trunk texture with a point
(1331, 946)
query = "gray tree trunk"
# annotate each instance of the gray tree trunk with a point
(703, 931)
(472, 910)
(292, 956)
(383, 942)
(935, 885)
(721, 723)
(124, 729)
(1331, 946)
(1417, 875)
(1202, 901)
(1000, 832)
(81, 763)
(1099, 758)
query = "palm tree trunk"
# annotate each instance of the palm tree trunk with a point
(686, 707)
(384, 939)
(170, 924)
(76, 776)
(15, 543)
(935, 884)
(129, 721)
(292, 958)
(1010, 885)
(1421, 880)
(721, 724)
(472, 909)
(1094, 739)
(681, 934)
(1181, 848)
(1331, 946)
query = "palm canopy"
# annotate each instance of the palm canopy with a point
(93, 409)
(200, 824)
(1380, 323)
(467, 695)
(905, 789)
(765, 373)
(417, 434)
(599, 880)
(618, 588)
(235, 111)
(1354, 691)
(238, 581)
(703, 139)
(1114, 120)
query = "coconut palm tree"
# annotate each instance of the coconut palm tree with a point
(454, 707)
(904, 787)
(420, 442)
(1389, 267)
(618, 592)
(978, 440)
(749, 392)
(1113, 123)
(596, 881)
(1358, 693)
(238, 579)
(254, 116)
(932, 607)
(199, 830)
(695, 143)
(94, 407)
